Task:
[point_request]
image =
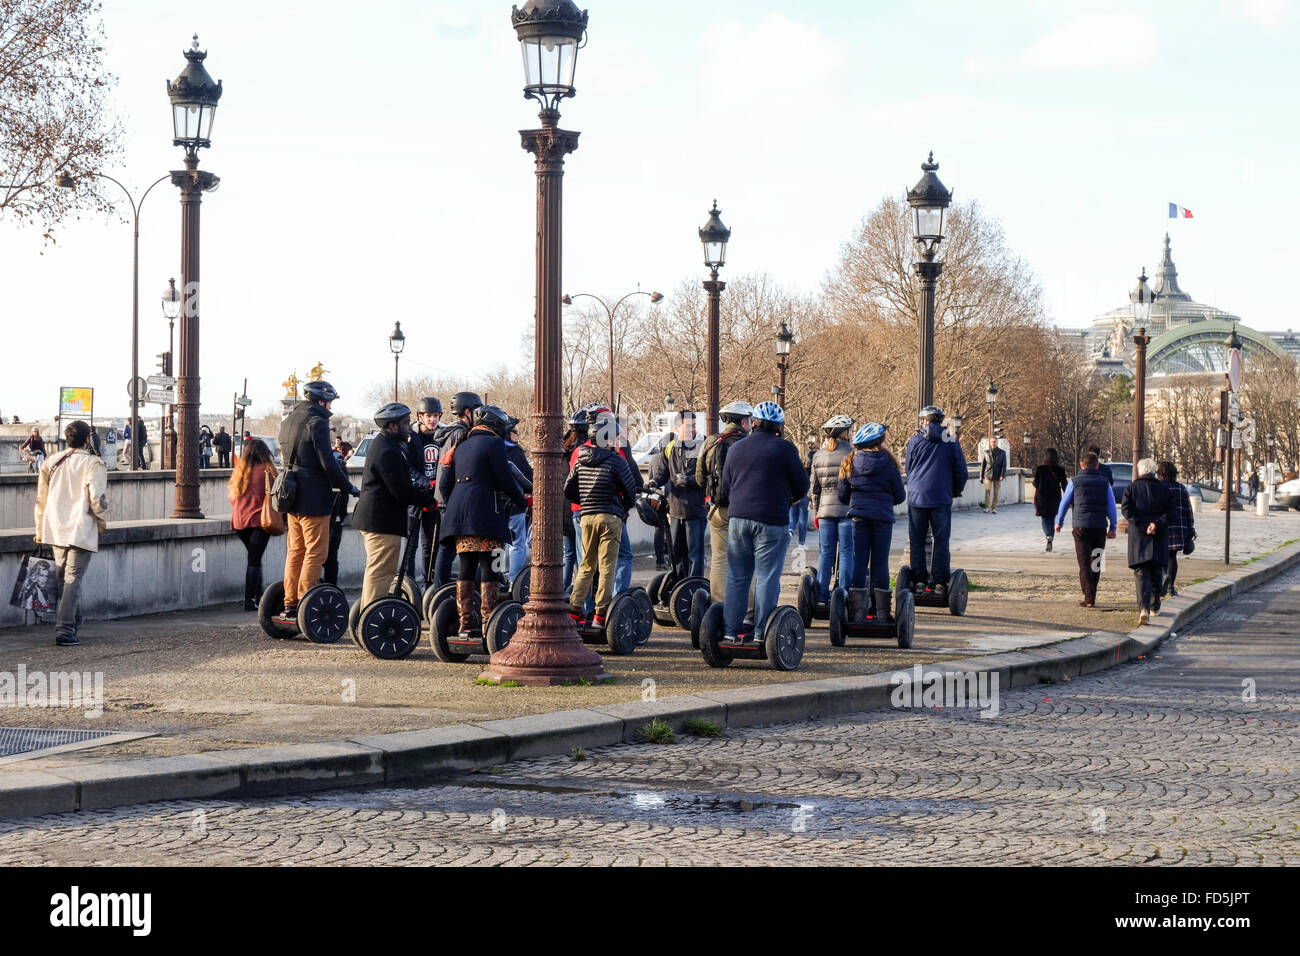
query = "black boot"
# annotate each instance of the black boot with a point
(252, 588)
(882, 605)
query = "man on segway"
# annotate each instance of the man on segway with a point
(830, 517)
(674, 471)
(936, 474)
(601, 483)
(423, 452)
(581, 436)
(386, 492)
(737, 419)
(763, 475)
(305, 439)
(447, 437)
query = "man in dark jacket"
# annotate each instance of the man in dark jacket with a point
(221, 441)
(993, 468)
(601, 482)
(736, 424)
(447, 437)
(1146, 506)
(762, 476)
(936, 473)
(423, 451)
(1102, 468)
(305, 438)
(674, 471)
(386, 493)
(1093, 501)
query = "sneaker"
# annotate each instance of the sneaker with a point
(598, 621)
(940, 590)
(1049, 544)
(1085, 604)
(731, 638)
(1144, 617)
(67, 640)
(1173, 592)
(985, 510)
(995, 510)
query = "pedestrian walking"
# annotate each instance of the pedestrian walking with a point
(993, 468)
(871, 486)
(936, 474)
(1050, 482)
(246, 492)
(830, 516)
(1102, 467)
(205, 447)
(1088, 494)
(1146, 506)
(1253, 484)
(223, 443)
(71, 505)
(799, 509)
(1181, 524)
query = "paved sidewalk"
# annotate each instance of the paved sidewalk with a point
(210, 680)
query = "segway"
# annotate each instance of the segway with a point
(952, 596)
(780, 644)
(484, 637)
(322, 615)
(389, 627)
(628, 623)
(853, 614)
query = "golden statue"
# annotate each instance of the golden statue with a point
(291, 385)
(317, 372)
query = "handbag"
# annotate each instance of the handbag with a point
(272, 520)
(284, 492)
(1190, 545)
(37, 585)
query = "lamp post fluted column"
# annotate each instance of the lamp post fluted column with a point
(1141, 340)
(929, 270)
(713, 286)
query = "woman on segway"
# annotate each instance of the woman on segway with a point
(476, 519)
(830, 516)
(871, 486)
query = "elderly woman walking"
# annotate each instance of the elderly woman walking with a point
(1146, 506)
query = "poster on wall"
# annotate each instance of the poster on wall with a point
(76, 402)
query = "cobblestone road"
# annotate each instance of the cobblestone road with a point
(1165, 761)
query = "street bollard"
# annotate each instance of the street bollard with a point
(1261, 504)
(1196, 505)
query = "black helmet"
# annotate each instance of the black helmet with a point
(430, 406)
(648, 507)
(392, 412)
(578, 420)
(493, 417)
(319, 392)
(511, 424)
(465, 402)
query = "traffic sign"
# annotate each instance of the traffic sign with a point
(1236, 439)
(166, 380)
(140, 386)
(161, 396)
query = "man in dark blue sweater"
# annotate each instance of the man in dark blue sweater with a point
(762, 477)
(936, 473)
(1093, 502)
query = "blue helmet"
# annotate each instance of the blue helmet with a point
(769, 412)
(869, 434)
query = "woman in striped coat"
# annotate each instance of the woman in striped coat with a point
(1181, 524)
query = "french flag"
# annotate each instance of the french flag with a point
(1179, 212)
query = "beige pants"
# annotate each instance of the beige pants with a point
(306, 548)
(601, 537)
(991, 494)
(383, 554)
(718, 557)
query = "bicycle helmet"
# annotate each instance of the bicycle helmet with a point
(602, 427)
(932, 413)
(869, 434)
(578, 420)
(837, 424)
(430, 406)
(320, 392)
(493, 417)
(392, 412)
(465, 402)
(736, 411)
(769, 412)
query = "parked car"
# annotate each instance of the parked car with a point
(1288, 494)
(272, 442)
(357, 459)
(1122, 472)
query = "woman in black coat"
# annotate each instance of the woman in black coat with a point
(475, 481)
(1181, 525)
(1049, 485)
(1146, 506)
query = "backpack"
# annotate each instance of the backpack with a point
(716, 457)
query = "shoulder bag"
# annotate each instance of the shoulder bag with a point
(272, 520)
(284, 492)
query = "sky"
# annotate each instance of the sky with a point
(372, 172)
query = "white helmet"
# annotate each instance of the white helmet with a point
(837, 423)
(734, 411)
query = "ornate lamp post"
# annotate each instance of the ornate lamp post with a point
(396, 342)
(194, 95)
(784, 337)
(991, 401)
(928, 199)
(655, 299)
(546, 648)
(1028, 439)
(714, 235)
(171, 308)
(1141, 298)
(1229, 503)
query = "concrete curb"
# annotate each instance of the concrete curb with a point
(391, 758)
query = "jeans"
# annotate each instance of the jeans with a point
(518, 543)
(1049, 524)
(570, 560)
(836, 534)
(419, 567)
(623, 573)
(938, 521)
(694, 530)
(799, 520)
(754, 550)
(871, 539)
(70, 564)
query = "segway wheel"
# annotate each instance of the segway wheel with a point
(389, 628)
(446, 622)
(711, 634)
(410, 591)
(957, 588)
(501, 624)
(680, 598)
(838, 616)
(783, 637)
(656, 585)
(645, 622)
(521, 586)
(904, 618)
(621, 625)
(807, 598)
(354, 615)
(903, 582)
(433, 598)
(272, 606)
(699, 604)
(323, 614)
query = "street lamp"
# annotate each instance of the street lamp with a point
(655, 299)
(991, 400)
(1232, 350)
(396, 342)
(194, 95)
(784, 337)
(928, 199)
(545, 648)
(1028, 439)
(714, 235)
(1141, 299)
(171, 308)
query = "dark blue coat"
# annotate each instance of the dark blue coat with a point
(478, 487)
(936, 469)
(305, 441)
(1146, 501)
(873, 487)
(762, 477)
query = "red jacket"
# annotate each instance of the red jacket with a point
(246, 509)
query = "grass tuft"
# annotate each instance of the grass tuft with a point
(699, 727)
(658, 732)
(577, 754)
